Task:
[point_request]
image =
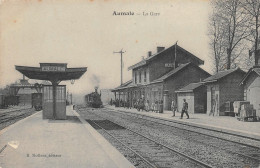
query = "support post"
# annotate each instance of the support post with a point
(54, 87)
(121, 68)
(119, 98)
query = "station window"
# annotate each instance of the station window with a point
(245, 94)
(135, 77)
(47, 96)
(140, 76)
(144, 76)
(60, 93)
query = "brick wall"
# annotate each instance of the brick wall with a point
(190, 74)
(157, 65)
(230, 90)
(200, 99)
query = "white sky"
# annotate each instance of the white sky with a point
(85, 34)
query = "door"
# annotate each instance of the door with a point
(60, 106)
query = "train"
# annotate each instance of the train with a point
(93, 99)
(37, 101)
(8, 100)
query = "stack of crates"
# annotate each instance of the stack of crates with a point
(247, 113)
(237, 106)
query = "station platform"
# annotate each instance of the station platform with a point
(220, 123)
(34, 142)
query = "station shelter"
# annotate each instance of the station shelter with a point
(54, 96)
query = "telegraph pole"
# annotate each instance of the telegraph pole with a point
(121, 53)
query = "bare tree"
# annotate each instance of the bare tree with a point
(217, 38)
(252, 9)
(233, 31)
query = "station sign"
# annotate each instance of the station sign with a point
(53, 67)
(169, 65)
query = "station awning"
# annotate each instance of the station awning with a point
(48, 71)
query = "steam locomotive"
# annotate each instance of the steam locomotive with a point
(93, 99)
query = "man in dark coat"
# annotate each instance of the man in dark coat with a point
(185, 109)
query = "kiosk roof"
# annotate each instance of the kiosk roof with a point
(38, 73)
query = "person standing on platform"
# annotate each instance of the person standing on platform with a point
(213, 107)
(152, 106)
(147, 105)
(160, 106)
(185, 109)
(173, 108)
(156, 106)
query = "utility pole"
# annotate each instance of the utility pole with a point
(121, 52)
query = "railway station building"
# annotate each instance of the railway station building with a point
(157, 77)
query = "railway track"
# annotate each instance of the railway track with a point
(191, 128)
(201, 145)
(154, 153)
(14, 108)
(242, 149)
(10, 117)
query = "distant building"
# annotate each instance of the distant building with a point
(196, 97)
(25, 95)
(251, 83)
(157, 77)
(223, 87)
(106, 96)
(24, 90)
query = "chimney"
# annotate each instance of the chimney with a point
(149, 53)
(159, 49)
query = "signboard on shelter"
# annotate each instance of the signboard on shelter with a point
(52, 67)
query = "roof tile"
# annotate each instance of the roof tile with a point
(219, 75)
(190, 87)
